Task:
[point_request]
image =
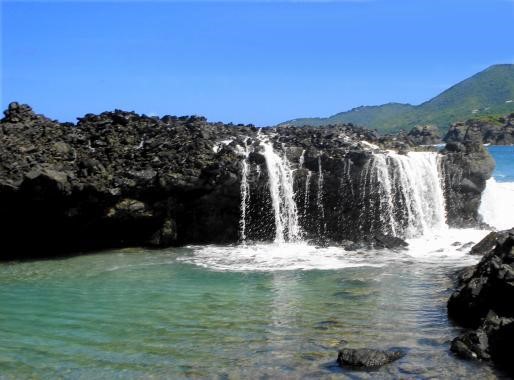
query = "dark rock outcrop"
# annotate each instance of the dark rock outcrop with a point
(483, 302)
(367, 357)
(120, 178)
(493, 130)
(425, 135)
(467, 167)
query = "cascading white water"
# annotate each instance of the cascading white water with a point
(398, 195)
(245, 191)
(387, 217)
(319, 199)
(280, 176)
(306, 198)
(497, 204)
(409, 186)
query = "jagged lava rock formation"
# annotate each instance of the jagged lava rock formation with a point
(483, 302)
(120, 179)
(494, 130)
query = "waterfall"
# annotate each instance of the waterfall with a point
(387, 215)
(280, 177)
(245, 191)
(410, 193)
(307, 194)
(390, 194)
(319, 200)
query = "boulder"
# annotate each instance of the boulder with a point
(483, 302)
(367, 357)
(425, 135)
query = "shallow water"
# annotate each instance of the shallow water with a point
(166, 314)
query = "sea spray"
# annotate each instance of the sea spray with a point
(497, 204)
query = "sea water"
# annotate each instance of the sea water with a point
(279, 310)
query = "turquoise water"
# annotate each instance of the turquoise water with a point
(145, 314)
(504, 157)
(235, 312)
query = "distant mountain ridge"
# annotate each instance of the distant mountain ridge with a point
(489, 92)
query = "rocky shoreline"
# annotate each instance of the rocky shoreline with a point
(121, 179)
(483, 303)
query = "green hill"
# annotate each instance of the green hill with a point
(490, 92)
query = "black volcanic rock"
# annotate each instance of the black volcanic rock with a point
(367, 357)
(493, 130)
(425, 135)
(467, 166)
(120, 178)
(483, 302)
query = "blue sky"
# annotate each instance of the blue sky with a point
(258, 62)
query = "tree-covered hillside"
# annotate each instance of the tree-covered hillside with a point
(490, 92)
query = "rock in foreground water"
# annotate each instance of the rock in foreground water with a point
(484, 302)
(367, 357)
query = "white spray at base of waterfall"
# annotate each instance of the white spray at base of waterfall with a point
(415, 178)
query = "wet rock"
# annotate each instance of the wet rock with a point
(366, 357)
(467, 166)
(488, 243)
(483, 303)
(388, 241)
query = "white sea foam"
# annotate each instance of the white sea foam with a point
(497, 206)
(450, 246)
(267, 257)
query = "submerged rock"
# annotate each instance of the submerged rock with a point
(366, 357)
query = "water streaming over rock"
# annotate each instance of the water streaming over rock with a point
(403, 194)
(280, 177)
(319, 200)
(245, 191)
(397, 195)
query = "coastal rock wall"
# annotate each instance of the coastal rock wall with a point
(483, 303)
(119, 179)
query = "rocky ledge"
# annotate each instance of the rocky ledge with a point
(124, 179)
(484, 303)
(495, 130)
